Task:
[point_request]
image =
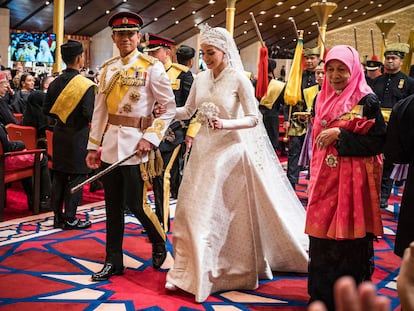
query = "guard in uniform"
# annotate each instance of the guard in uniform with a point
(374, 69)
(297, 124)
(69, 99)
(185, 57)
(130, 85)
(171, 146)
(391, 87)
(270, 104)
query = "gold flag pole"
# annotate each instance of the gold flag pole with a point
(230, 12)
(385, 25)
(323, 10)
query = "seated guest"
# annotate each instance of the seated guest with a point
(26, 86)
(22, 161)
(34, 115)
(6, 115)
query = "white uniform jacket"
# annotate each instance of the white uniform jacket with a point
(130, 87)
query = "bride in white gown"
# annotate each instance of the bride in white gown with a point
(237, 217)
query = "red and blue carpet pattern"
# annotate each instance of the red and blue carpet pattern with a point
(42, 268)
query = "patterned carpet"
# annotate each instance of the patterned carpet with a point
(42, 268)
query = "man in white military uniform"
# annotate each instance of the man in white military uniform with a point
(130, 86)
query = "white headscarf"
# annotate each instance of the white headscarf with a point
(220, 38)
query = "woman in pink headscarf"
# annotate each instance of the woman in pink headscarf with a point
(343, 214)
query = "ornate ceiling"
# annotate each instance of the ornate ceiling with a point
(177, 18)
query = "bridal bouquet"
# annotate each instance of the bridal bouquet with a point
(206, 111)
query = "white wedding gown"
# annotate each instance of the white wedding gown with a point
(237, 217)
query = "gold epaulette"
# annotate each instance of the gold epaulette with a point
(149, 59)
(110, 61)
(180, 67)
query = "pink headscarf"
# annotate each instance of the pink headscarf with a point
(329, 105)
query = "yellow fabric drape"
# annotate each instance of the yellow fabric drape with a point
(274, 89)
(71, 96)
(293, 90)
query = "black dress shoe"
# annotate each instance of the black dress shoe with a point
(58, 220)
(76, 224)
(107, 271)
(57, 223)
(159, 253)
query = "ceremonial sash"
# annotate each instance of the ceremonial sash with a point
(173, 72)
(120, 83)
(70, 97)
(274, 89)
(309, 94)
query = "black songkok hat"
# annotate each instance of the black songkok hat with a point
(185, 53)
(71, 48)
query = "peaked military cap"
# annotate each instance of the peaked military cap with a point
(125, 21)
(154, 42)
(373, 64)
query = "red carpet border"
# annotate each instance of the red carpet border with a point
(42, 268)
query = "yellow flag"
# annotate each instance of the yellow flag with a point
(293, 89)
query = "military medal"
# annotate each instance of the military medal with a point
(134, 96)
(127, 107)
(401, 84)
(141, 76)
(331, 160)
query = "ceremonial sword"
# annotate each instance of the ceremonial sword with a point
(103, 172)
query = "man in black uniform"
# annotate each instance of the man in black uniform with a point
(70, 99)
(270, 104)
(185, 57)
(399, 147)
(172, 145)
(374, 69)
(390, 88)
(297, 124)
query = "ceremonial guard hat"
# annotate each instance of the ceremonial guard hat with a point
(399, 49)
(125, 21)
(154, 42)
(312, 51)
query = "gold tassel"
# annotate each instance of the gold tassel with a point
(159, 163)
(144, 175)
(153, 167)
(151, 164)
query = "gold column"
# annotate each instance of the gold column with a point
(58, 29)
(230, 12)
(322, 11)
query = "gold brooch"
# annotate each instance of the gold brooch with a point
(127, 107)
(331, 160)
(134, 96)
